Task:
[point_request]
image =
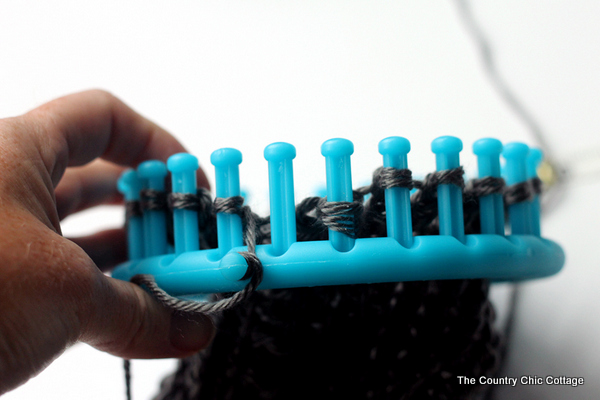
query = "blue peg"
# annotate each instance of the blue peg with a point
(337, 154)
(153, 175)
(397, 200)
(130, 185)
(227, 177)
(534, 159)
(519, 214)
(281, 192)
(450, 208)
(491, 207)
(183, 168)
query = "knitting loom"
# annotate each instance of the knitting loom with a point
(186, 271)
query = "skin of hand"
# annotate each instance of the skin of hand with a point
(58, 159)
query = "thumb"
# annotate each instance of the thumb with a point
(129, 323)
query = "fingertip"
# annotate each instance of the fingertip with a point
(191, 333)
(132, 324)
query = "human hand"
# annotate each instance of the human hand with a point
(52, 289)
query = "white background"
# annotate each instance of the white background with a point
(247, 73)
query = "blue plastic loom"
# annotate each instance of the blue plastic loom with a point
(186, 271)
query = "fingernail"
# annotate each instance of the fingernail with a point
(191, 333)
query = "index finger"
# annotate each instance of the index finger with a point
(75, 129)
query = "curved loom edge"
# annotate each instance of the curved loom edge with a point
(371, 260)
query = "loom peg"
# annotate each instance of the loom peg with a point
(337, 154)
(398, 218)
(153, 175)
(227, 178)
(519, 214)
(281, 195)
(183, 168)
(450, 207)
(492, 206)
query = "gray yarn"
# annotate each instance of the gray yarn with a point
(230, 205)
(308, 224)
(536, 185)
(188, 201)
(446, 177)
(153, 200)
(183, 201)
(211, 307)
(522, 191)
(340, 216)
(127, 369)
(486, 186)
(392, 177)
(133, 208)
